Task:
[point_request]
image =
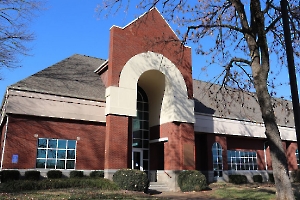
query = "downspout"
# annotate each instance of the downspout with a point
(265, 154)
(4, 141)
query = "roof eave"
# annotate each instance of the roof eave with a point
(102, 68)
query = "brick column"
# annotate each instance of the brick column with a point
(179, 151)
(116, 144)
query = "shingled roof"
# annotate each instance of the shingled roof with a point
(211, 99)
(73, 76)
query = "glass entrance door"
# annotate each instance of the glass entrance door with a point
(137, 159)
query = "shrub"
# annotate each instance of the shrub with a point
(97, 174)
(15, 186)
(237, 179)
(32, 175)
(191, 180)
(9, 175)
(257, 178)
(131, 179)
(271, 178)
(76, 174)
(296, 175)
(52, 174)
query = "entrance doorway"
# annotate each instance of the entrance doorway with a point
(137, 159)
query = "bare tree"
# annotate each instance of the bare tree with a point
(14, 18)
(246, 34)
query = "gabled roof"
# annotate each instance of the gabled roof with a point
(211, 100)
(76, 77)
(73, 76)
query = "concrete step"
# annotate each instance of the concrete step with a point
(161, 187)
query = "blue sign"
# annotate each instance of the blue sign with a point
(15, 158)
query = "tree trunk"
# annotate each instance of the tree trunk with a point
(279, 161)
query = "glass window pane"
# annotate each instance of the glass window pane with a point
(146, 116)
(137, 134)
(71, 154)
(42, 143)
(220, 152)
(41, 153)
(135, 124)
(145, 144)
(216, 167)
(70, 164)
(139, 96)
(145, 154)
(220, 166)
(52, 143)
(61, 154)
(40, 163)
(51, 153)
(137, 143)
(139, 106)
(145, 164)
(50, 164)
(62, 144)
(214, 152)
(60, 164)
(71, 144)
(146, 107)
(146, 134)
(215, 159)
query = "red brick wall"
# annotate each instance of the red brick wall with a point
(291, 156)
(148, 33)
(103, 77)
(21, 140)
(179, 134)
(117, 142)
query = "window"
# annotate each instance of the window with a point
(241, 160)
(297, 157)
(56, 154)
(217, 159)
(140, 132)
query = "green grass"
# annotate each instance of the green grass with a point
(87, 188)
(246, 193)
(75, 193)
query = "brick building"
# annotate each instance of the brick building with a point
(139, 109)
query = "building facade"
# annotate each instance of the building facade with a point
(139, 109)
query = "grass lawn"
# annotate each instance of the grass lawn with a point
(216, 191)
(75, 193)
(245, 192)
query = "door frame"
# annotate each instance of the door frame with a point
(141, 158)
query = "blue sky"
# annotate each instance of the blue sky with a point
(72, 27)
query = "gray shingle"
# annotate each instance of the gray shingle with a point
(73, 76)
(236, 104)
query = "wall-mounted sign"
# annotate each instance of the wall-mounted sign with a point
(15, 158)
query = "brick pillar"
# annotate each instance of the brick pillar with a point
(116, 144)
(179, 151)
